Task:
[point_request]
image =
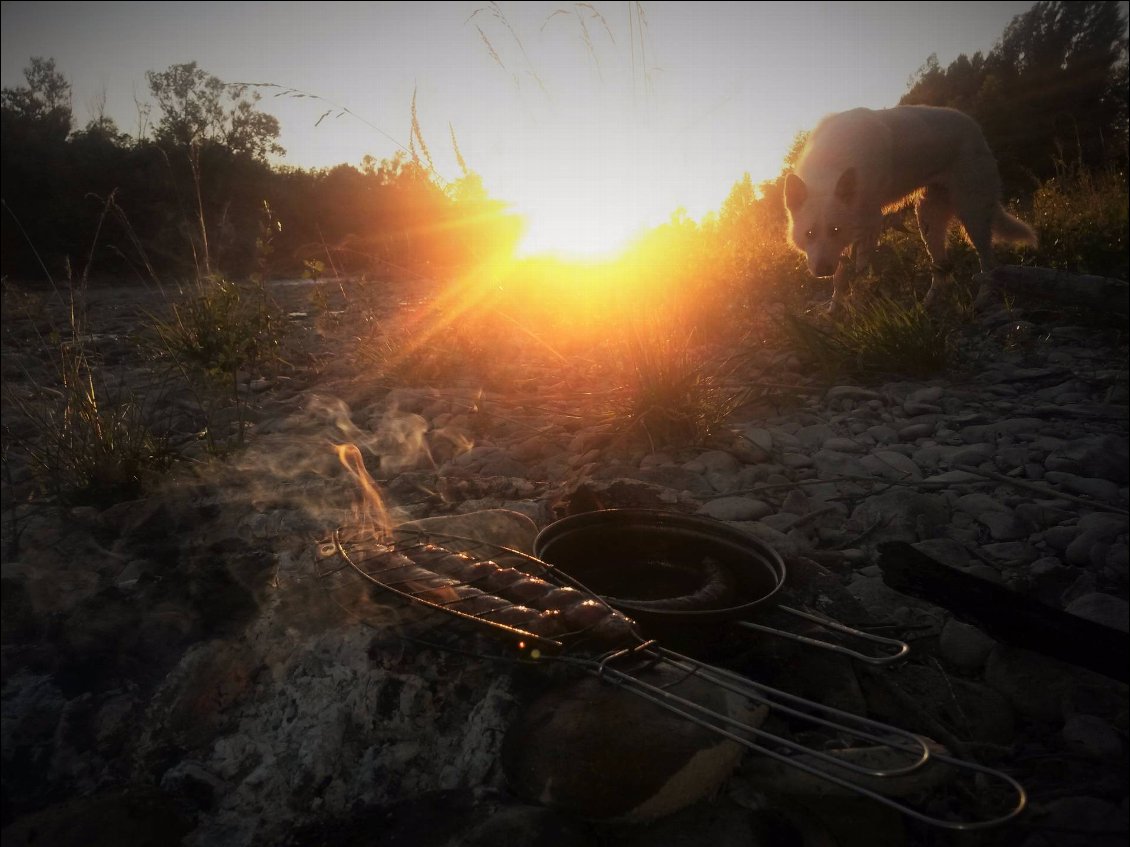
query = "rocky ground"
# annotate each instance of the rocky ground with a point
(184, 668)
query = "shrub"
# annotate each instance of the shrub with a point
(1082, 220)
(212, 338)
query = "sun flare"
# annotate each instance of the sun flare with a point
(587, 183)
(579, 229)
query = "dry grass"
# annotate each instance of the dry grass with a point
(84, 435)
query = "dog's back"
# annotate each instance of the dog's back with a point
(860, 163)
(897, 152)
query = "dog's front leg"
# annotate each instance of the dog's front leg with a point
(842, 282)
(842, 279)
(941, 275)
(853, 265)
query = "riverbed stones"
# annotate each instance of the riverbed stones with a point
(251, 696)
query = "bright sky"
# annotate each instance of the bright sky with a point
(593, 127)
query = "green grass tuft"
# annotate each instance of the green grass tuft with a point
(671, 391)
(876, 337)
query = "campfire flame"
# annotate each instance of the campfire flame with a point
(369, 509)
(372, 516)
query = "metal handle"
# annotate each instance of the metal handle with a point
(736, 731)
(901, 647)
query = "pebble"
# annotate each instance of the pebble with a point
(1092, 737)
(965, 645)
(736, 509)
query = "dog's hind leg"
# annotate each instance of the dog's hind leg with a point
(934, 212)
(977, 206)
(979, 229)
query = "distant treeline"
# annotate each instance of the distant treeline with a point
(192, 192)
(1051, 94)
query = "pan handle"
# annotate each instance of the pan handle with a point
(900, 648)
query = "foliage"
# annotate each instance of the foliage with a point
(219, 330)
(34, 123)
(194, 193)
(1055, 84)
(198, 109)
(1083, 223)
(42, 109)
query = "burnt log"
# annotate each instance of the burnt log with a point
(1009, 617)
(1104, 295)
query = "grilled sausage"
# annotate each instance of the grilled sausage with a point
(509, 596)
(716, 591)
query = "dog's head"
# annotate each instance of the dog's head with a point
(820, 222)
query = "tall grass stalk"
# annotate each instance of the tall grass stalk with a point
(86, 437)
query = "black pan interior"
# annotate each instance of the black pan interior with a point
(633, 555)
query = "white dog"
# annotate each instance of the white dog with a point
(859, 164)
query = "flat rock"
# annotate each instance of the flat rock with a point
(736, 509)
(965, 645)
(1105, 609)
(597, 751)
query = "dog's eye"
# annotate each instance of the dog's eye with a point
(810, 234)
(835, 230)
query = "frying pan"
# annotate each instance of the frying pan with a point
(668, 568)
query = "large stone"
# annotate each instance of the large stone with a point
(1104, 457)
(1092, 737)
(1101, 489)
(1033, 684)
(964, 645)
(1105, 609)
(888, 464)
(945, 550)
(1080, 821)
(898, 515)
(736, 509)
(598, 751)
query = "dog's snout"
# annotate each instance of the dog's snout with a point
(824, 269)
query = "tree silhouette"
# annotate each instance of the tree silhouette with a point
(1052, 91)
(35, 120)
(198, 108)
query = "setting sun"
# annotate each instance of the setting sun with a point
(587, 190)
(580, 227)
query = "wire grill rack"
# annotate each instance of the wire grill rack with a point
(463, 591)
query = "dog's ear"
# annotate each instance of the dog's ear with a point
(846, 187)
(795, 192)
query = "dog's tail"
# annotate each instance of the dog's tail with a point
(1008, 228)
